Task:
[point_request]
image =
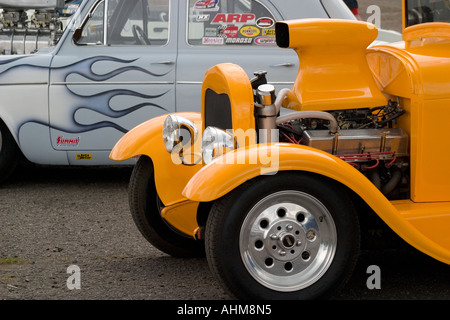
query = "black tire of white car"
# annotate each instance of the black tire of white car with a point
(145, 209)
(292, 235)
(9, 153)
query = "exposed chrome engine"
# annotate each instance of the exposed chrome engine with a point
(27, 26)
(367, 139)
(370, 144)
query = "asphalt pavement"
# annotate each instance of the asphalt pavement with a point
(54, 220)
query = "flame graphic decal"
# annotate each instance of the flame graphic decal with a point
(95, 100)
(89, 103)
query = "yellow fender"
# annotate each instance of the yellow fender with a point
(226, 173)
(146, 139)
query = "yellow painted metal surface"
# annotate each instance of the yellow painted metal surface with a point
(333, 73)
(182, 216)
(146, 139)
(224, 175)
(431, 219)
(231, 79)
(418, 72)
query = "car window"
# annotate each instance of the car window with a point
(93, 29)
(421, 11)
(230, 22)
(128, 22)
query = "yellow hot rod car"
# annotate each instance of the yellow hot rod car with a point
(276, 187)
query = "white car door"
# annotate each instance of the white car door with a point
(117, 72)
(237, 31)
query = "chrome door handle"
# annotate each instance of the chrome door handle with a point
(164, 62)
(285, 64)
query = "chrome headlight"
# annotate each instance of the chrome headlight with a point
(178, 130)
(216, 142)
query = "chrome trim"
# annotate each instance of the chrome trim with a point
(287, 83)
(288, 252)
(109, 83)
(172, 134)
(217, 139)
(105, 22)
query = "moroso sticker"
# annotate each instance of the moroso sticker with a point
(268, 33)
(265, 22)
(83, 156)
(212, 40)
(67, 142)
(265, 41)
(231, 32)
(247, 18)
(249, 31)
(239, 41)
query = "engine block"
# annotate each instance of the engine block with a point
(359, 141)
(29, 25)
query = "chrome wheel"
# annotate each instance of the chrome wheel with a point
(288, 241)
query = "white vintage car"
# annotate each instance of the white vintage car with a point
(67, 96)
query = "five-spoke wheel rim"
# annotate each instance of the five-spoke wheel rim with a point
(288, 240)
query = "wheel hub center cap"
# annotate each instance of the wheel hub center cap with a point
(288, 241)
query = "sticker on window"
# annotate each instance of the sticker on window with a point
(203, 18)
(239, 41)
(212, 40)
(265, 41)
(268, 32)
(210, 32)
(227, 18)
(249, 31)
(231, 31)
(265, 22)
(207, 5)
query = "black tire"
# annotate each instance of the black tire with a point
(280, 258)
(145, 208)
(9, 153)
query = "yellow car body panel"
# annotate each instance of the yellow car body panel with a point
(183, 216)
(418, 72)
(337, 81)
(238, 90)
(146, 139)
(409, 221)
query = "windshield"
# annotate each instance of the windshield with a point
(421, 11)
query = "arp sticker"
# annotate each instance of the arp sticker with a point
(247, 18)
(265, 22)
(249, 31)
(83, 156)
